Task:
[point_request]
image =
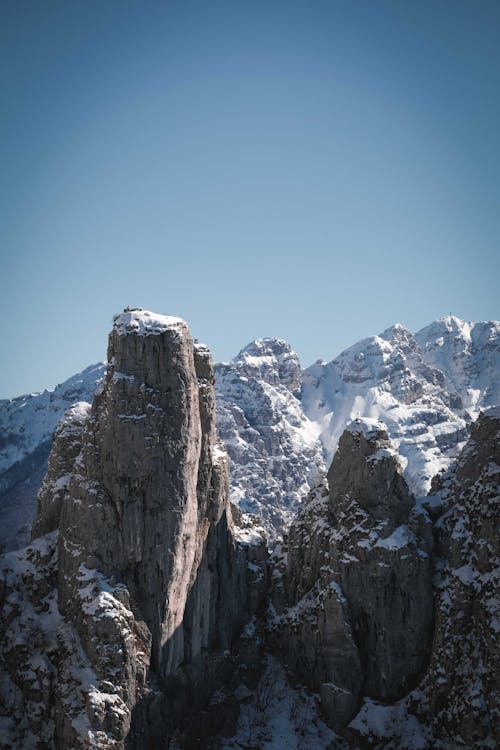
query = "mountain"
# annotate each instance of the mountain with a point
(387, 605)
(426, 388)
(356, 580)
(281, 425)
(275, 454)
(146, 610)
(27, 426)
(116, 619)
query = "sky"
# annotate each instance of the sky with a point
(304, 169)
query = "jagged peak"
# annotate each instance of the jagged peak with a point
(266, 347)
(396, 332)
(377, 343)
(76, 413)
(447, 324)
(144, 322)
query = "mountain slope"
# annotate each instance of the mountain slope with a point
(27, 426)
(275, 454)
(426, 387)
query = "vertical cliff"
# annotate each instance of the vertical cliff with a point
(146, 579)
(459, 697)
(355, 596)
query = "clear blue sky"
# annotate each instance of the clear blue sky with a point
(311, 170)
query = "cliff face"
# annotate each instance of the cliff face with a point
(145, 575)
(121, 615)
(355, 597)
(459, 696)
(151, 480)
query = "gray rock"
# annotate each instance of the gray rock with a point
(66, 447)
(275, 455)
(357, 579)
(459, 697)
(149, 581)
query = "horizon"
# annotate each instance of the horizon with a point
(304, 366)
(314, 171)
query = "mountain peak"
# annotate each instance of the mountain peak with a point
(446, 325)
(266, 347)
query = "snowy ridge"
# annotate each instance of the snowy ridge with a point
(275, 455)
(27, 426)
(426, 387)
(27, 421)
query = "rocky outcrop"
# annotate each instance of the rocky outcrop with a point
(148, 586)
(457, 702)
(459, 697)
(27, 427)
(54, 489)
(353, 592)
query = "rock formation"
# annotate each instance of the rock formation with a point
(27, 427)
(276, 457)
(121, 616)
(459, 696)
(276, 421)
(354, 594)
(138, 567)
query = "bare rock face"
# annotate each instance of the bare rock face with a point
(66, 447)
(459, 697)
(357, 579)
(457, 702)
(147, 582)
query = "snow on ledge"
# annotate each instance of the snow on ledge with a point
(367, 427)
(144, 323)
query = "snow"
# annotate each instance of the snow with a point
(249, 536)
(27, 421)
(465, 573)
(275, 455)
(378, 722)
(145, 323)
(365, 426)
(425, 393)
(276, 716)
(399, 538)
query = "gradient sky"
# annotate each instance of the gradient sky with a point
(311, 170)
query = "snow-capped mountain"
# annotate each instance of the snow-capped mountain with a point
(281, 426)
(27, 425)
(426, 387)
(275, 454)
